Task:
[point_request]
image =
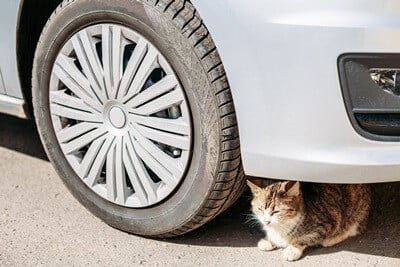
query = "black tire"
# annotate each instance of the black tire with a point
(214, 179)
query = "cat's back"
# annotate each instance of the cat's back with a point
(337, 194)
(359, 204)
(358, 194)
(343, 204)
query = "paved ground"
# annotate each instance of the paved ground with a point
(42, 225)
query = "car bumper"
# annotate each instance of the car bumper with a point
(281, 61)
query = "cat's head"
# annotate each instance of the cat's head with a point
(279, 203)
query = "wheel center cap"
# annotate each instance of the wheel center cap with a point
(117, 117)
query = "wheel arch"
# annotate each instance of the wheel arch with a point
(32, 17)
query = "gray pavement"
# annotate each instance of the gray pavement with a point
(41, 224)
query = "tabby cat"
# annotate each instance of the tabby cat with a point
(298, 215)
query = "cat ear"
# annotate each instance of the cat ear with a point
(291, 188)
(255, 185)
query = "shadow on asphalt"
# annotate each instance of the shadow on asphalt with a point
(232, 229)
(21, 135)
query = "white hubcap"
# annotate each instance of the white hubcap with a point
(120, 115)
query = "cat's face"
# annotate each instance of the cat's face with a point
(276, 204)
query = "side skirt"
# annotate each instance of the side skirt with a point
(12, 106)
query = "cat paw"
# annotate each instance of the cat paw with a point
(292, 253)
(265, 245)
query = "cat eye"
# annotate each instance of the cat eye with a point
(274, 212)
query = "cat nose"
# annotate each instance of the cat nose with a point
(267, 222)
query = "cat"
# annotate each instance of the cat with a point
(298, 215)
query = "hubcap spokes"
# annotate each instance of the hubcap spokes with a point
(120, 115)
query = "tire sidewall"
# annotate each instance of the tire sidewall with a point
(190, 195)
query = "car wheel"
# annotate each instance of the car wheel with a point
(135, 112)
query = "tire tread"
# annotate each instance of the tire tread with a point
(229, 183)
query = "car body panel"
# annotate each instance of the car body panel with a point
(12, 105)
(2, 87)
(9, 12)
(281, 61)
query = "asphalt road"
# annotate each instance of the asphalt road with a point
(41, 224)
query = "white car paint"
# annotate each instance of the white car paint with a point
(281, 61)
(8, 56)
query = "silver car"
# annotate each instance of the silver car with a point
(153, 111)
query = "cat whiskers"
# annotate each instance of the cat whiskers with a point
(252, 219)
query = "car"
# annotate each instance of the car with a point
(153, 112)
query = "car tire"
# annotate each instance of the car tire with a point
(214, 178)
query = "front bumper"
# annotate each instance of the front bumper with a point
(281, 61)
